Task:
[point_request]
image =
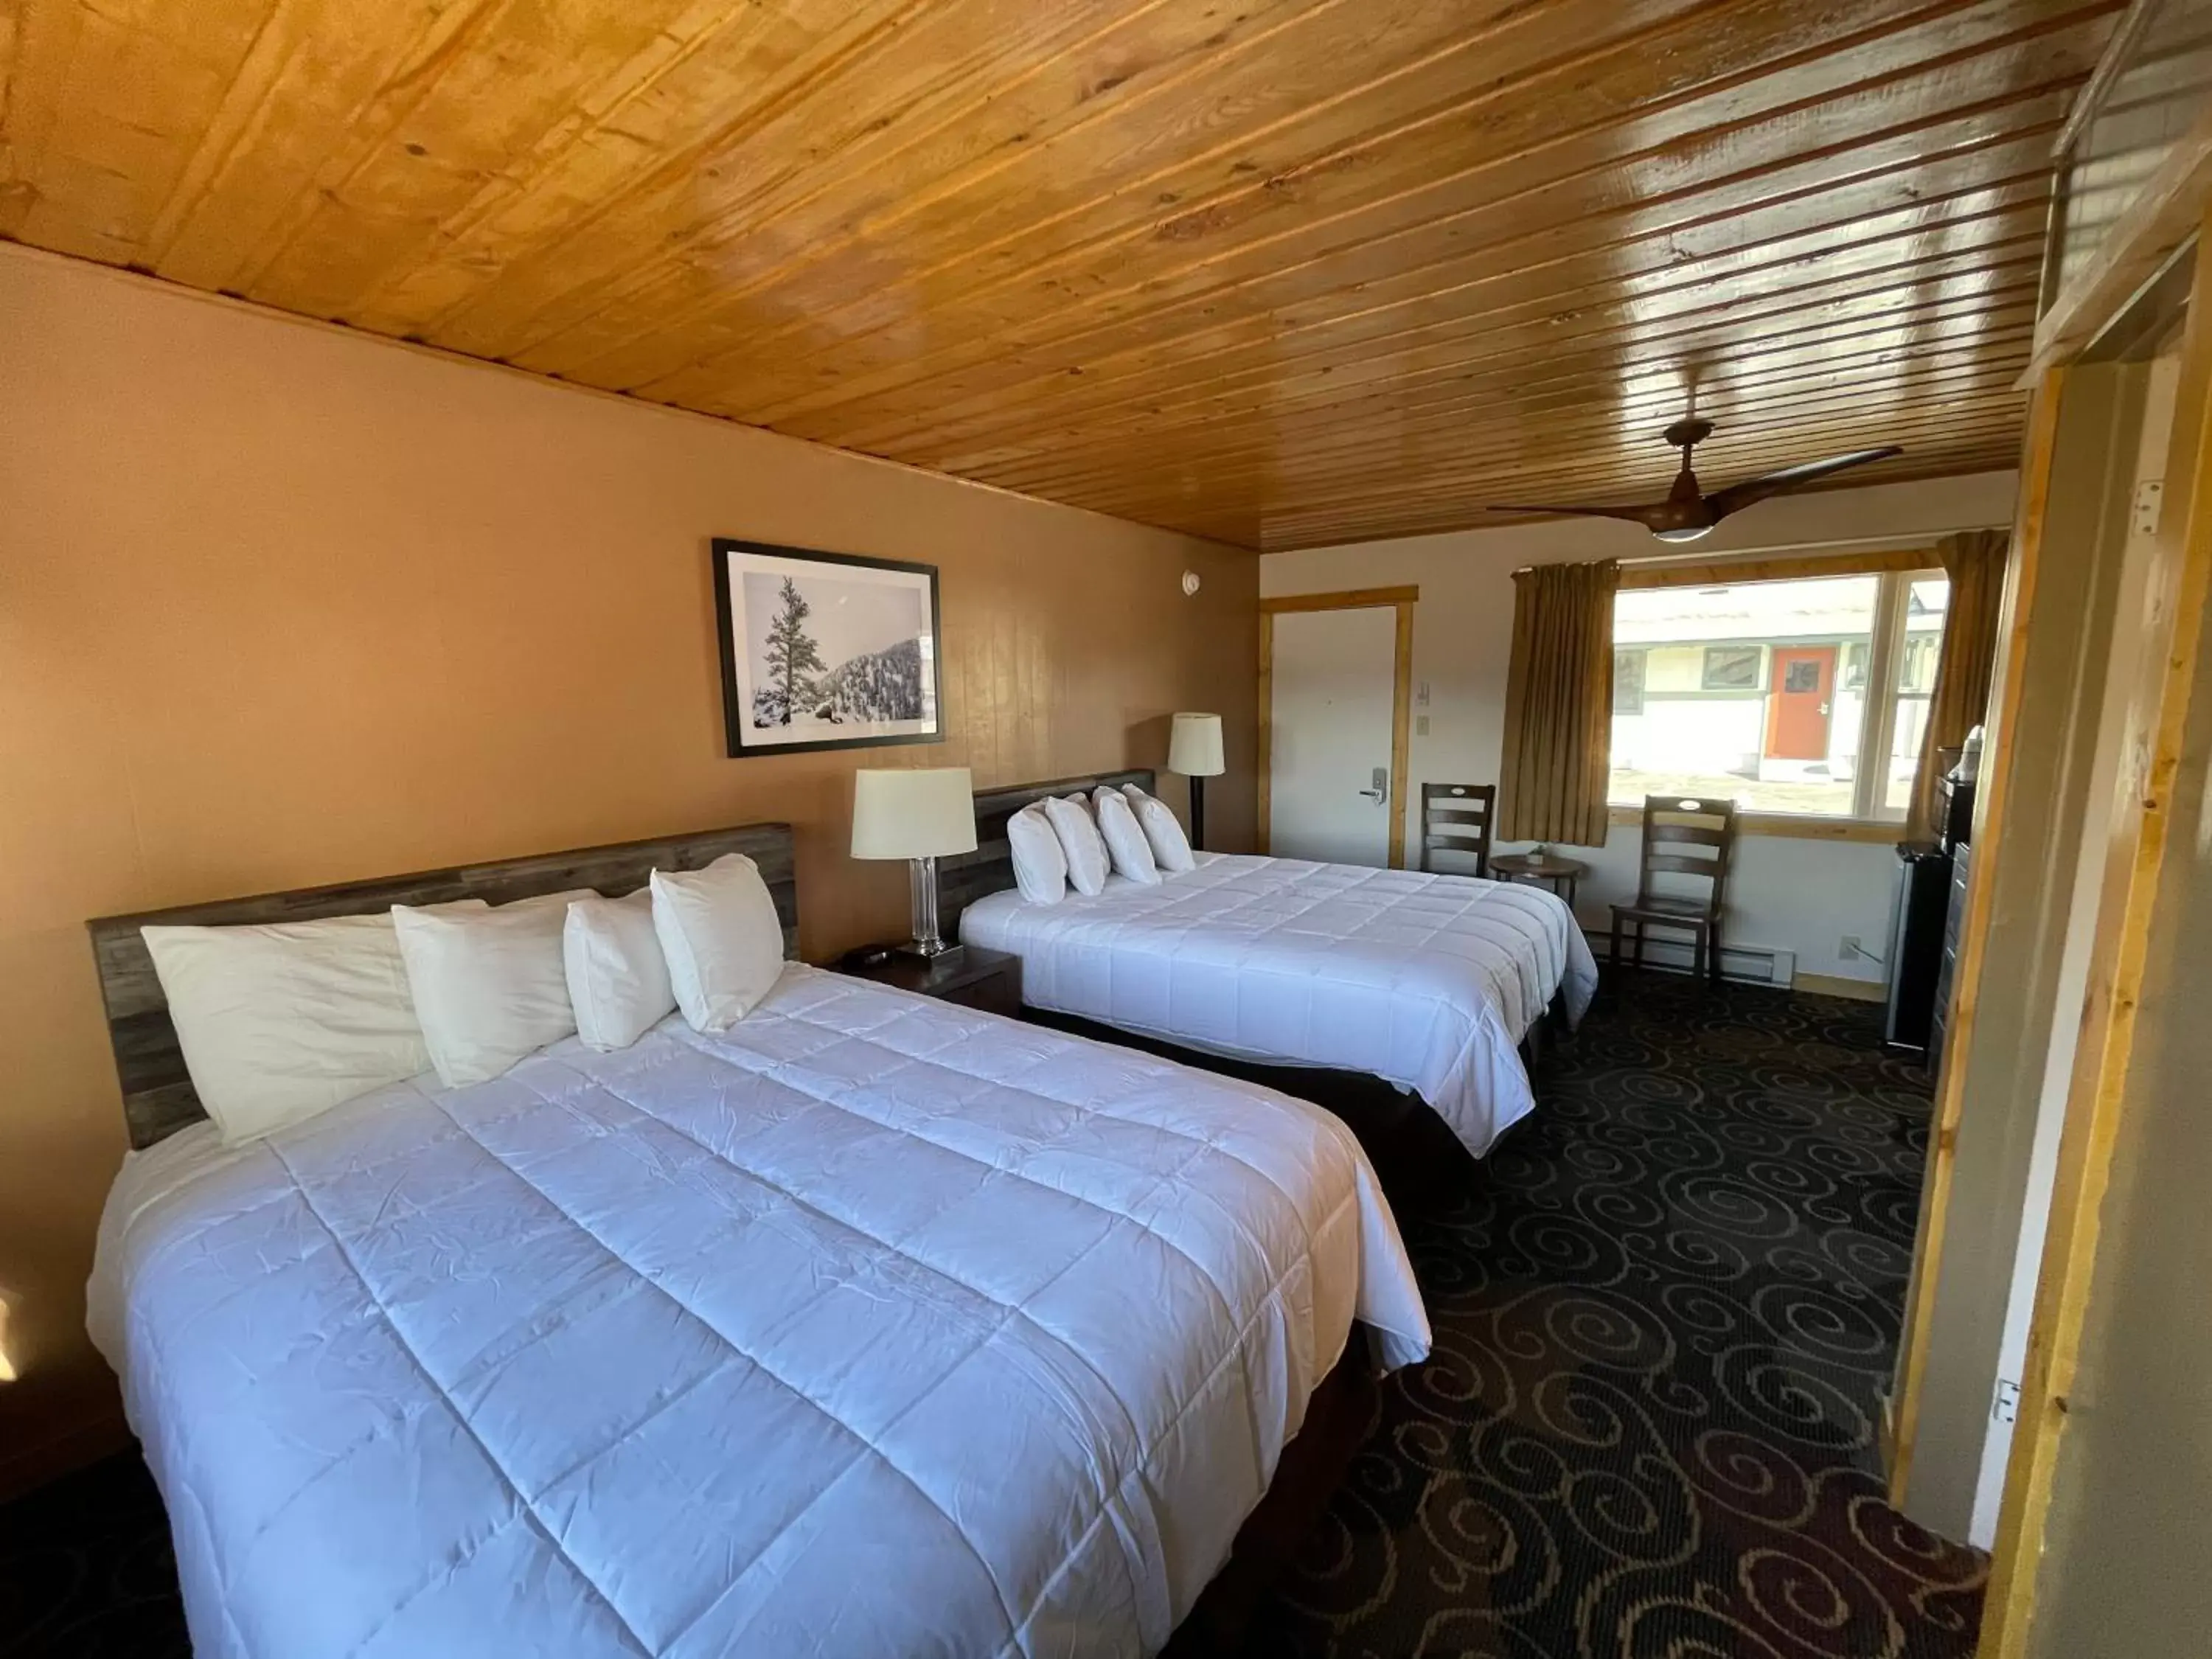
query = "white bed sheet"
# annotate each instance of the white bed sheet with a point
(873, 1326)
(1428, 981)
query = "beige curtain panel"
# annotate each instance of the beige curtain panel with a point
(1975, 561)
(1559, 705)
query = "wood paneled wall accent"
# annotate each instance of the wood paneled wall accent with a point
(1286, 275)
(283, 606)
(158, 1097)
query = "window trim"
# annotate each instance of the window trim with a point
(1792, 567)
(1897, 567)
(1790, 826)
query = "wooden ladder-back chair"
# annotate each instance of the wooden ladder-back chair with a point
(1455, 817)
(1694, 839)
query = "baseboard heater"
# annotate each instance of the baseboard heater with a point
(1747, 965)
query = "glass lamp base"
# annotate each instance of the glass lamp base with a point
(926, 941)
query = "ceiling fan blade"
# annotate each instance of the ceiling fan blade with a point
(1735, 496)
(1642, 515)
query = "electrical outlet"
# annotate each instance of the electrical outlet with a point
(1851, 948)
(1421, 726)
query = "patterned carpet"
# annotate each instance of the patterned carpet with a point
(1661, 1316)
(86, 1571)
(1661, 1310)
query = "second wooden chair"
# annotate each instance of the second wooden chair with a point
(1690, 838)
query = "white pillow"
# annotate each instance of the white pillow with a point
(281, 1021)
(1170, 847)
(1040, 865)
(1132, 852)
(617, 977)
(719, 933)
(487, 985)
(1087, 864)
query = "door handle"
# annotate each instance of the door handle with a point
(1381, 791)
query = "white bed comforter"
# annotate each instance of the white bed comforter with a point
(874, 1327)
(1428, 981)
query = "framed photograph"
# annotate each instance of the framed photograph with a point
(825, 650)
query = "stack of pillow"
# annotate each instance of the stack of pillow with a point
(1068, 841)
(279, 1022)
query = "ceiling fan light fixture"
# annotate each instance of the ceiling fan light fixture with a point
(1674, 519)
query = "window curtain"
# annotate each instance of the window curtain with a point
(1559, 705)
(1975, 563)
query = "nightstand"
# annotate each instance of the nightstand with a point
(969, 975)
(1562, 874)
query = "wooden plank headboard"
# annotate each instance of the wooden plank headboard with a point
(158, 1099)
(966, 876)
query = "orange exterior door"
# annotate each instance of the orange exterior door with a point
(1803, 690)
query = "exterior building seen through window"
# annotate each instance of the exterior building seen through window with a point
(1807, 695)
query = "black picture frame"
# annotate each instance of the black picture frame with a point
(748, 687)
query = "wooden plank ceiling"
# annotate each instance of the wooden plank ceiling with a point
(1282, 272)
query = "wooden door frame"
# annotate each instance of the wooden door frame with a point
(1900, 1425)
(2145, 816)
(1401, 599)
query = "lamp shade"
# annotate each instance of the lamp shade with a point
(1195, 746)
(917, 814)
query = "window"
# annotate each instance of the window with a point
(1855, 666)
(1731, 668)
(1927, 602)
(1807, 695)
(1628, 682)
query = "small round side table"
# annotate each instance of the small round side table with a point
(1562, 874)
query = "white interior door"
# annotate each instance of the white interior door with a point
(1330, 788)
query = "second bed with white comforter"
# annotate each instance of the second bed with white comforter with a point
(1428, 981)
(872, 1326)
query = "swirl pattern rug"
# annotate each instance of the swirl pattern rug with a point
(1662, 1307)
(1663, 1312)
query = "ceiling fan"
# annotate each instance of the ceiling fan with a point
(1688, 513)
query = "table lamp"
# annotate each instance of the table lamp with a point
(1194, 750)
(919, 816)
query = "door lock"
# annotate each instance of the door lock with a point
(1381, 791)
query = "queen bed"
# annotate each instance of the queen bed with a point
(1429, 982)
(872, 1325)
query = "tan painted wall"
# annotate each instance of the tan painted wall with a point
(281, 604)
